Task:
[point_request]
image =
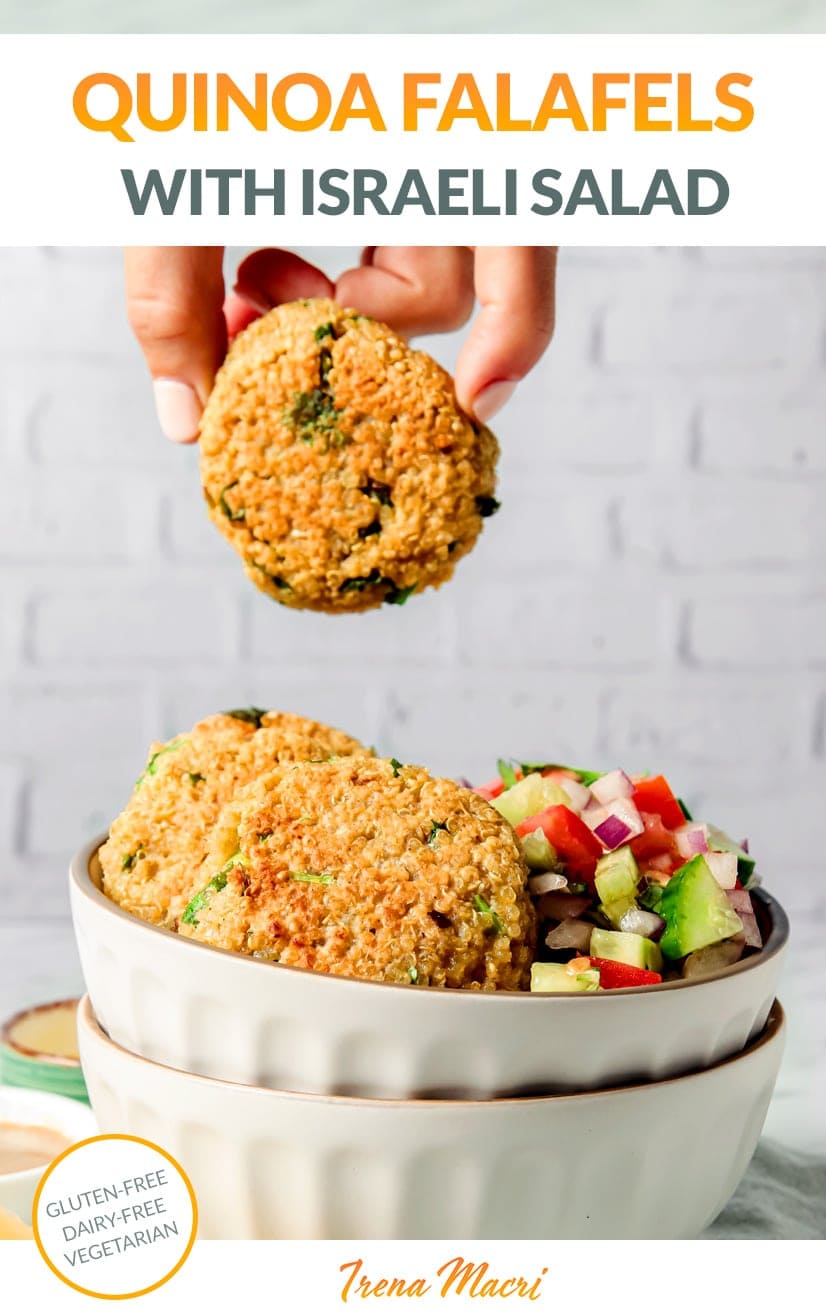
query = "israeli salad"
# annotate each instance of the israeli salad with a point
(630, 890)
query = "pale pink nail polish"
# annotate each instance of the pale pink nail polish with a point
(492, 399)
(179, 410)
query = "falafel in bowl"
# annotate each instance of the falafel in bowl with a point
(351, 925)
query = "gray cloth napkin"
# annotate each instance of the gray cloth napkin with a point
(783, 1196)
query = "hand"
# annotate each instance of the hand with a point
(177, 308)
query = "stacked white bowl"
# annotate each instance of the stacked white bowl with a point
(305, 1105)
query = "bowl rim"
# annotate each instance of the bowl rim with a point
(773, 1032)
(44, 1057)
(81, 878)
(37, 1099)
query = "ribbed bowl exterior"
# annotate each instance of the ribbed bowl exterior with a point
(234, 1018)
(654, 1161)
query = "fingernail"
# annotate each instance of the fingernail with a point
(253, 299)
(492, 398)
(179, 411)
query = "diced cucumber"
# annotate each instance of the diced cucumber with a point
(556, 977)
(718, 840)
(529, 796)
(616, 910)
(538, 850)
(626, 947)
(696, 911)
(652, 896)
(617, 876)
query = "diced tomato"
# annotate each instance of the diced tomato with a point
(655, 840)
(613, 976)
(653, 794)
(574, 842)
(661, 863)
(491, 789)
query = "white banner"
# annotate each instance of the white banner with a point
(607, 140)
(319, 1277)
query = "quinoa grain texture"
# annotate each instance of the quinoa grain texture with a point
(337, 462)
(365, 868)
(156, 845)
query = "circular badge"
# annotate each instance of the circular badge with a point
(115, 1216)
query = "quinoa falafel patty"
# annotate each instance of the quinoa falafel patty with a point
(363, 867)
(337, 462)
(158, 842)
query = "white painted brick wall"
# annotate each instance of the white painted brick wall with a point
(651, 593)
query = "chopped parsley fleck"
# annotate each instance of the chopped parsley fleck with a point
(367, 531)
(393, 594)
(318, 878)
(435, 828)
(440, 919)
(151, 768)
(217, 882)
(277, 580)
(315, 413)
(129, 860)
(252, 715)
(413, 974)
(361, 582)
(399, 596)
(381, 492)
(323, 331)
(507, 772)
(587, 778)
(482, 906)
(396, 765)
(486, 505)
(238, 515)
(195, 777)
(325, 365)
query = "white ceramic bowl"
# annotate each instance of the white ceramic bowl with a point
(653, 1161)
(22, 1105)
(239, 1019)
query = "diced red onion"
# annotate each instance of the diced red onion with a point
(660, 863)
(560, 904)
(611, 786)
(642, 923)
(570, 935)
(613, 832)
(692, 839)
(740, 901)
(544, 882)
(579, 794)
(724, 868)
(712, 958)
(463, 781)
(615, 823)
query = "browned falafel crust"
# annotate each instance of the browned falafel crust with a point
(367, 868)
(156, 845)
(337, 462)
